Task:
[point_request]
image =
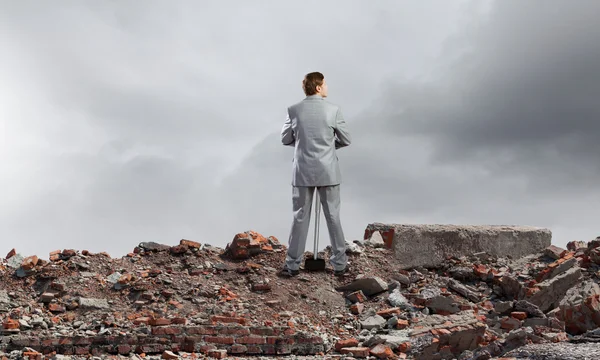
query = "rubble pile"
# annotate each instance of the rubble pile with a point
(193, 300)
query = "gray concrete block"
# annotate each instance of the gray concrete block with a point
(430, 245)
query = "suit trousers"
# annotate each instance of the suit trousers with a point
(302, 199)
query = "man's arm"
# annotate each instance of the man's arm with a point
(342, 136)
(287, 133)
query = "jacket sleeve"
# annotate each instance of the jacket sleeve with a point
(342, 136)
(287, 133)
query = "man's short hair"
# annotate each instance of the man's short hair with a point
(311, 81)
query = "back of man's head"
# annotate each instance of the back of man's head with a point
(311, 81)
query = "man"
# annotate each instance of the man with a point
(316, 129)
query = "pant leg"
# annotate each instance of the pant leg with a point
(302, 198)
(330, 200)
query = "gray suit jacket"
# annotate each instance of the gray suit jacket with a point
(316, 129)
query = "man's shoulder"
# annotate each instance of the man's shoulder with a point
(308, 102)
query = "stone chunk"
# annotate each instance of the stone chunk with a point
(396, 299)
(153, 246)
(93, 303)
(443, 305)
(576, 245)
(580, 308)
(375, 240)
(529, 308)
(430, 245)
(551, 291)
(464, 291)
(554, 252)
(503, 307)
(369, 286)
(373, 322)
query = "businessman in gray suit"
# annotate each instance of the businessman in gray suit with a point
(316, 129)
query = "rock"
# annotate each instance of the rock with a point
(554, 252)
(86, 303)
(153, 246)
(402, 279)
(375, 240)
(396, 299)
(529, 308)
(580, 308)
(551, 291)
(369, 286)
(430, 245)
(442, 305)
(511, 287)
(373, 322)
(504, 307)
(576, 245)
(15, 261)
(352, 248)
(464, 291)
(169, 355)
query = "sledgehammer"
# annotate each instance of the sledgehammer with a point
(316, 264)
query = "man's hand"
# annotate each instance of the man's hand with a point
(287, 133)
(342, 136)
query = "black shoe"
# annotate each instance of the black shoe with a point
(342, 272)
(288, 273)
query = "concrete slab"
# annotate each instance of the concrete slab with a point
(429, 245)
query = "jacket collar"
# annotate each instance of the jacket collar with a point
(315, 96)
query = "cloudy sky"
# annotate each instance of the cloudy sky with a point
(128, 121)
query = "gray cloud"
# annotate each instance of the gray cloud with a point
(128, 123)
(502, 131)
(121, 119)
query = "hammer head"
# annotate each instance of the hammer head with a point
(311, 264)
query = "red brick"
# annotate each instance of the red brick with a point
(402, 324)
(217, 354)
(345, 343)
(251, 340)
(124, 349)
(357, 308)
(142, 320)
(388, 312)
(404, 347)
(227, 319)
(11, 253)
(166, 330)
(190, 243)
(29, 262)
(382, 352)
(238, 349)
(32, 355)
(356, 351)
(69, 252)
(219, 340)
(11, 324)
(54, 307)
(160, 322)
(519, 315)
(510, 323)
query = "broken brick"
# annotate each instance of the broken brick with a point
(29, 262)
(356, 351)
(345, 343)
(382, 351)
